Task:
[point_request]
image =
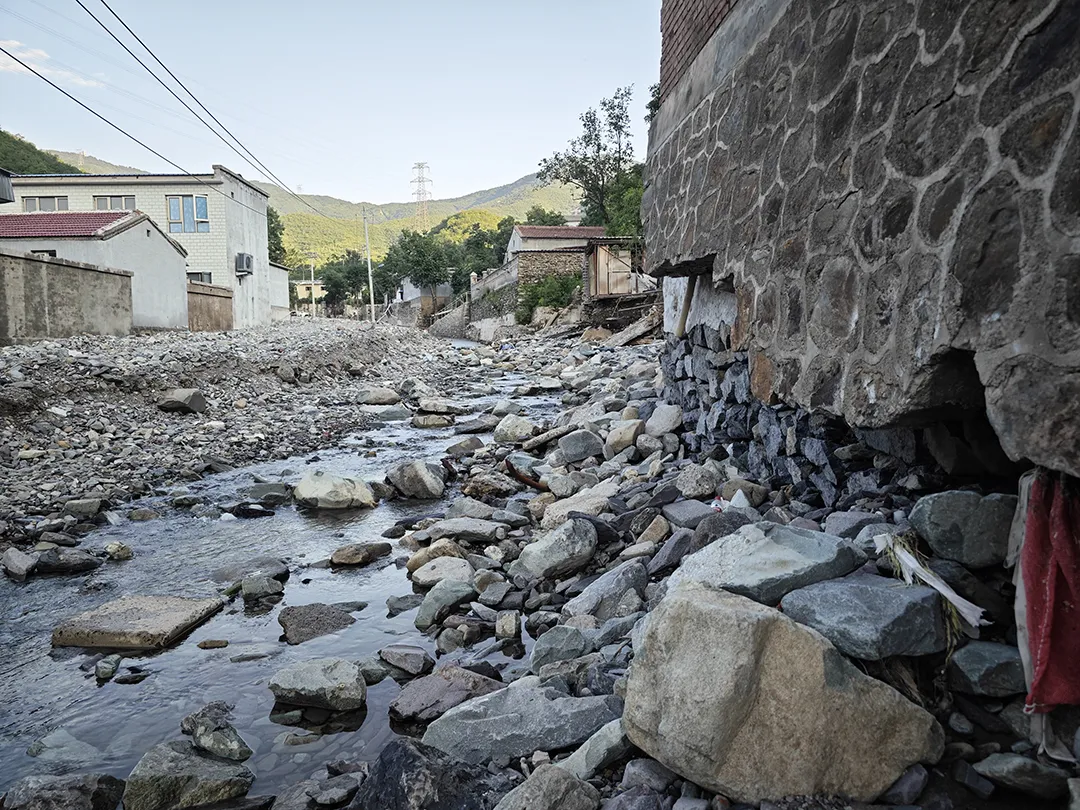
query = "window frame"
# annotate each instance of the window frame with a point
(59, 203)
(178, 225)
(200, 276)
(108, 200)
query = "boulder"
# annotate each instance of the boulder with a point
(528, 719)
(378, 396)
(324, 683)
(255, 588)
(551, 788)
(272, 567)
(211, 731)
(408, 658)
(434, 572)
(440, 600)
(580, 445)
(1025, 775)
(718, 524)
(432, 420)
(304, 622)
(608, 744)
(183, 400)
(431, 696)
(871, 617)
(135, 622)
(779, 712)
(82, 791)
(987, 668)
(18, 564)
(849, 524)
(601, 598)
(765, 561)
(687, 514)
(622, 434)
(697, 481)
(755, 493)
(357, 554)
(66, 561)
(466, 507)
(467, 530)
(442, 406)
(557, 553)
(963, 526)
(325, 490)
(665, 418)
(513, 429)
(440, 548)
(590, 501)
(560, 643)
(175, 774)
(490, 484)
(465, 447)
(418, 479)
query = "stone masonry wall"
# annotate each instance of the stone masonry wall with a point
(495, 303)
(891, 190)
(534, 266)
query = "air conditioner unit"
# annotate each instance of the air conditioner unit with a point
(245, 264)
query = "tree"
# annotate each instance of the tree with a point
(538, 215)
(419, 257)
(595, 161)
(344, 280)
(624, 208)
(275, 231)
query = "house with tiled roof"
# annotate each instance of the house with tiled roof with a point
(119, 240)
(550, 238)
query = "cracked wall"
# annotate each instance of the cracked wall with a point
(892, 190)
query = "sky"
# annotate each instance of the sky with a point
(335, 97)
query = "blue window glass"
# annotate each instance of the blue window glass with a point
(204, 227)
(189, 215)
(200, 208)
(174, 209)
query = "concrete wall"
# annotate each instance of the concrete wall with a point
(43, 297)
(451, 323)
(888, 189)
(159, 280)
(279, 293)
(210, 307)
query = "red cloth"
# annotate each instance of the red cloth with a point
(1050, 562)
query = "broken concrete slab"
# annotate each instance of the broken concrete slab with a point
(135, 622)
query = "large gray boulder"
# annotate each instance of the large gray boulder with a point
(580, 445)
(559, 552)
(440, 600)
(871, 617)
(601, 598)
(467, 530)
(304, 622)
(513, 429)
(590, 501)
(211, 731)
(987, 668)
(560, 643)
(551, 788)
(430, 697)
(323, 683)
(608, 744)
(765, 561)
(183, 400)
(175, 774)
(82, 791)
(966, 527)
(418, 479)
(359, 554)
(325, 490)
(666, 418)
(738, 698)
(1025, 775)
(519, 720)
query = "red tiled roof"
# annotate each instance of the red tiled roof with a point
(57, 223)
(560, 231)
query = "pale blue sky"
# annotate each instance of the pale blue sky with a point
(338, 97)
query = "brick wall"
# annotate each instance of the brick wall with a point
(685, 27)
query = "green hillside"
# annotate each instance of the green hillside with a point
(92, 165)
(22, 157)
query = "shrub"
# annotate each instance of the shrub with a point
(554, 291)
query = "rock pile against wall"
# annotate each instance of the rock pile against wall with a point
(889, 189)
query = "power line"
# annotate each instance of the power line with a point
(261, 167)
(124, 132)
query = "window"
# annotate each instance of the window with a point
(205, 278)
(188, 214)
(119, 203)
(51, 253)
(45, 204)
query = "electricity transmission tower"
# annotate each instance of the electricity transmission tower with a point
(422, 195)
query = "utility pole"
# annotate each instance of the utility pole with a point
(313, 256)
(370, 282)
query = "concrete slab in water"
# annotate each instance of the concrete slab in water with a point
(135, 622)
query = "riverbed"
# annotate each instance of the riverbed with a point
(111, 725)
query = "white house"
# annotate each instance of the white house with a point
(219, 218)
(550, 237)
(279, 292)
(120, 240)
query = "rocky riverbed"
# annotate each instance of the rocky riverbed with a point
(523, 588)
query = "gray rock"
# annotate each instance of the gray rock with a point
(325, 490)
(966, 527)
(849, 524)
(907, 789)
(621, 435)
(65, 561)
(666, 418)
(687, 514)
(17, 564)
(255, 567)
(60, 745)
(466, 507)
(211, 731)
(83, 507)
(176, 774)
(358, 554)
(580, 445)
(719, 524)
(647, 773)
(324, 683)
(559, 552)
(987, 668)
(608, 744)
(697, 481)
(513, 429)
(601, 598)
(560, 643)
(408, 657)
(765, 561)
(551, 788)
(431, 573)
(467, 530)
(440, 600)
(671, 553)
(871, 617)
(400, 604)
(864, 540)
(427, 698)
(304, 622)
(83, 791)
(183, 400)
(1025, 775)
(528, 719)
(255, 588)
(418, 479)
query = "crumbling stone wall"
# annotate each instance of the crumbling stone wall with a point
(891, 191)
(536, 265)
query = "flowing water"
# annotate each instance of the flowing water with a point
(44, 689)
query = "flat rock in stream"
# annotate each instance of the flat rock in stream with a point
(83, 791)
(176, 774)
(135, 622)
(271, 567)
(430, 697)
(356, 554)
(304, 622)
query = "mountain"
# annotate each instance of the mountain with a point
(19, 156)
(92, 165)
